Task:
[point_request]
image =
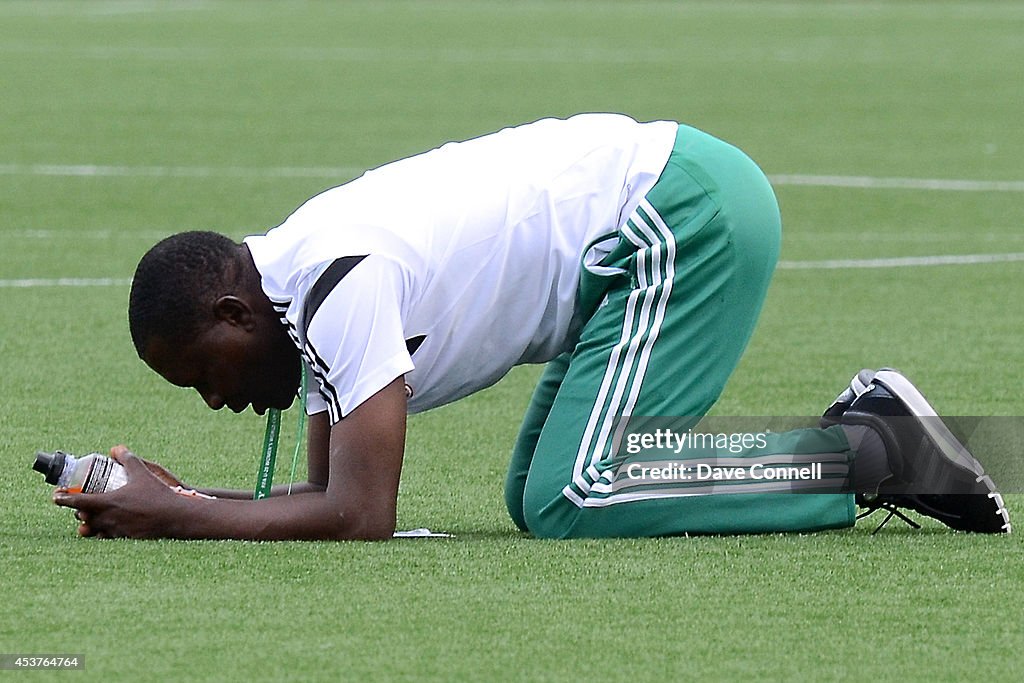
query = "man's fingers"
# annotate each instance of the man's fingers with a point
(87, 502)
(127, 459)
(65, 499)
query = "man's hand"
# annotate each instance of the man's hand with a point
(145, 507)
(161, 472)
(352, 493)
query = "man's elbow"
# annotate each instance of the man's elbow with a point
(362, 525)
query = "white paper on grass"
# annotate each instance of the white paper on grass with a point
(422, 533)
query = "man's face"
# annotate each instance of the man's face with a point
(232, 366)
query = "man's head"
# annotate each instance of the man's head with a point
(200, 319)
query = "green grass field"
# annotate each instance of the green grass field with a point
(122, 122)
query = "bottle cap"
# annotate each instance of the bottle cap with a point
(50, 464)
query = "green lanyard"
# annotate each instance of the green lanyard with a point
(271, 438)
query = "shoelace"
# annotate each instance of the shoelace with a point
(893, 511)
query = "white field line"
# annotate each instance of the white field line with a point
(139, 7)
(98, 9)
(901, 261)
(42, 234)
(345, 172)
(95, 170)
(882, 183)
(30, 283)
(390, 54)
(839, 264)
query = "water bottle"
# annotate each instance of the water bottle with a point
(93, 473)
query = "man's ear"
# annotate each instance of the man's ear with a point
(234, 311)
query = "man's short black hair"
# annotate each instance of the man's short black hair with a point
(176, 284)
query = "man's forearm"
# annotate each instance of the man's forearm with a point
(278, 490)
(360, 466)
(302, 516)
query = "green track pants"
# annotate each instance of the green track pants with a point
(668, 310)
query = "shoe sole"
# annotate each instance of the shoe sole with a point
(958, 455)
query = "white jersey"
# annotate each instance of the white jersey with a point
(453, 266)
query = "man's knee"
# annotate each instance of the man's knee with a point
(517, 514)
(548, 514)
(515, 483)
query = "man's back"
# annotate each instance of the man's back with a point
(473, 250)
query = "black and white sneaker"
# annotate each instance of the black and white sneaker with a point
(858, 385)
(933, 472)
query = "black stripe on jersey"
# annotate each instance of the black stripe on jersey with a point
(281, 308)
(318, 293)
(413, 343)
(327, 390)
(324, 285)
